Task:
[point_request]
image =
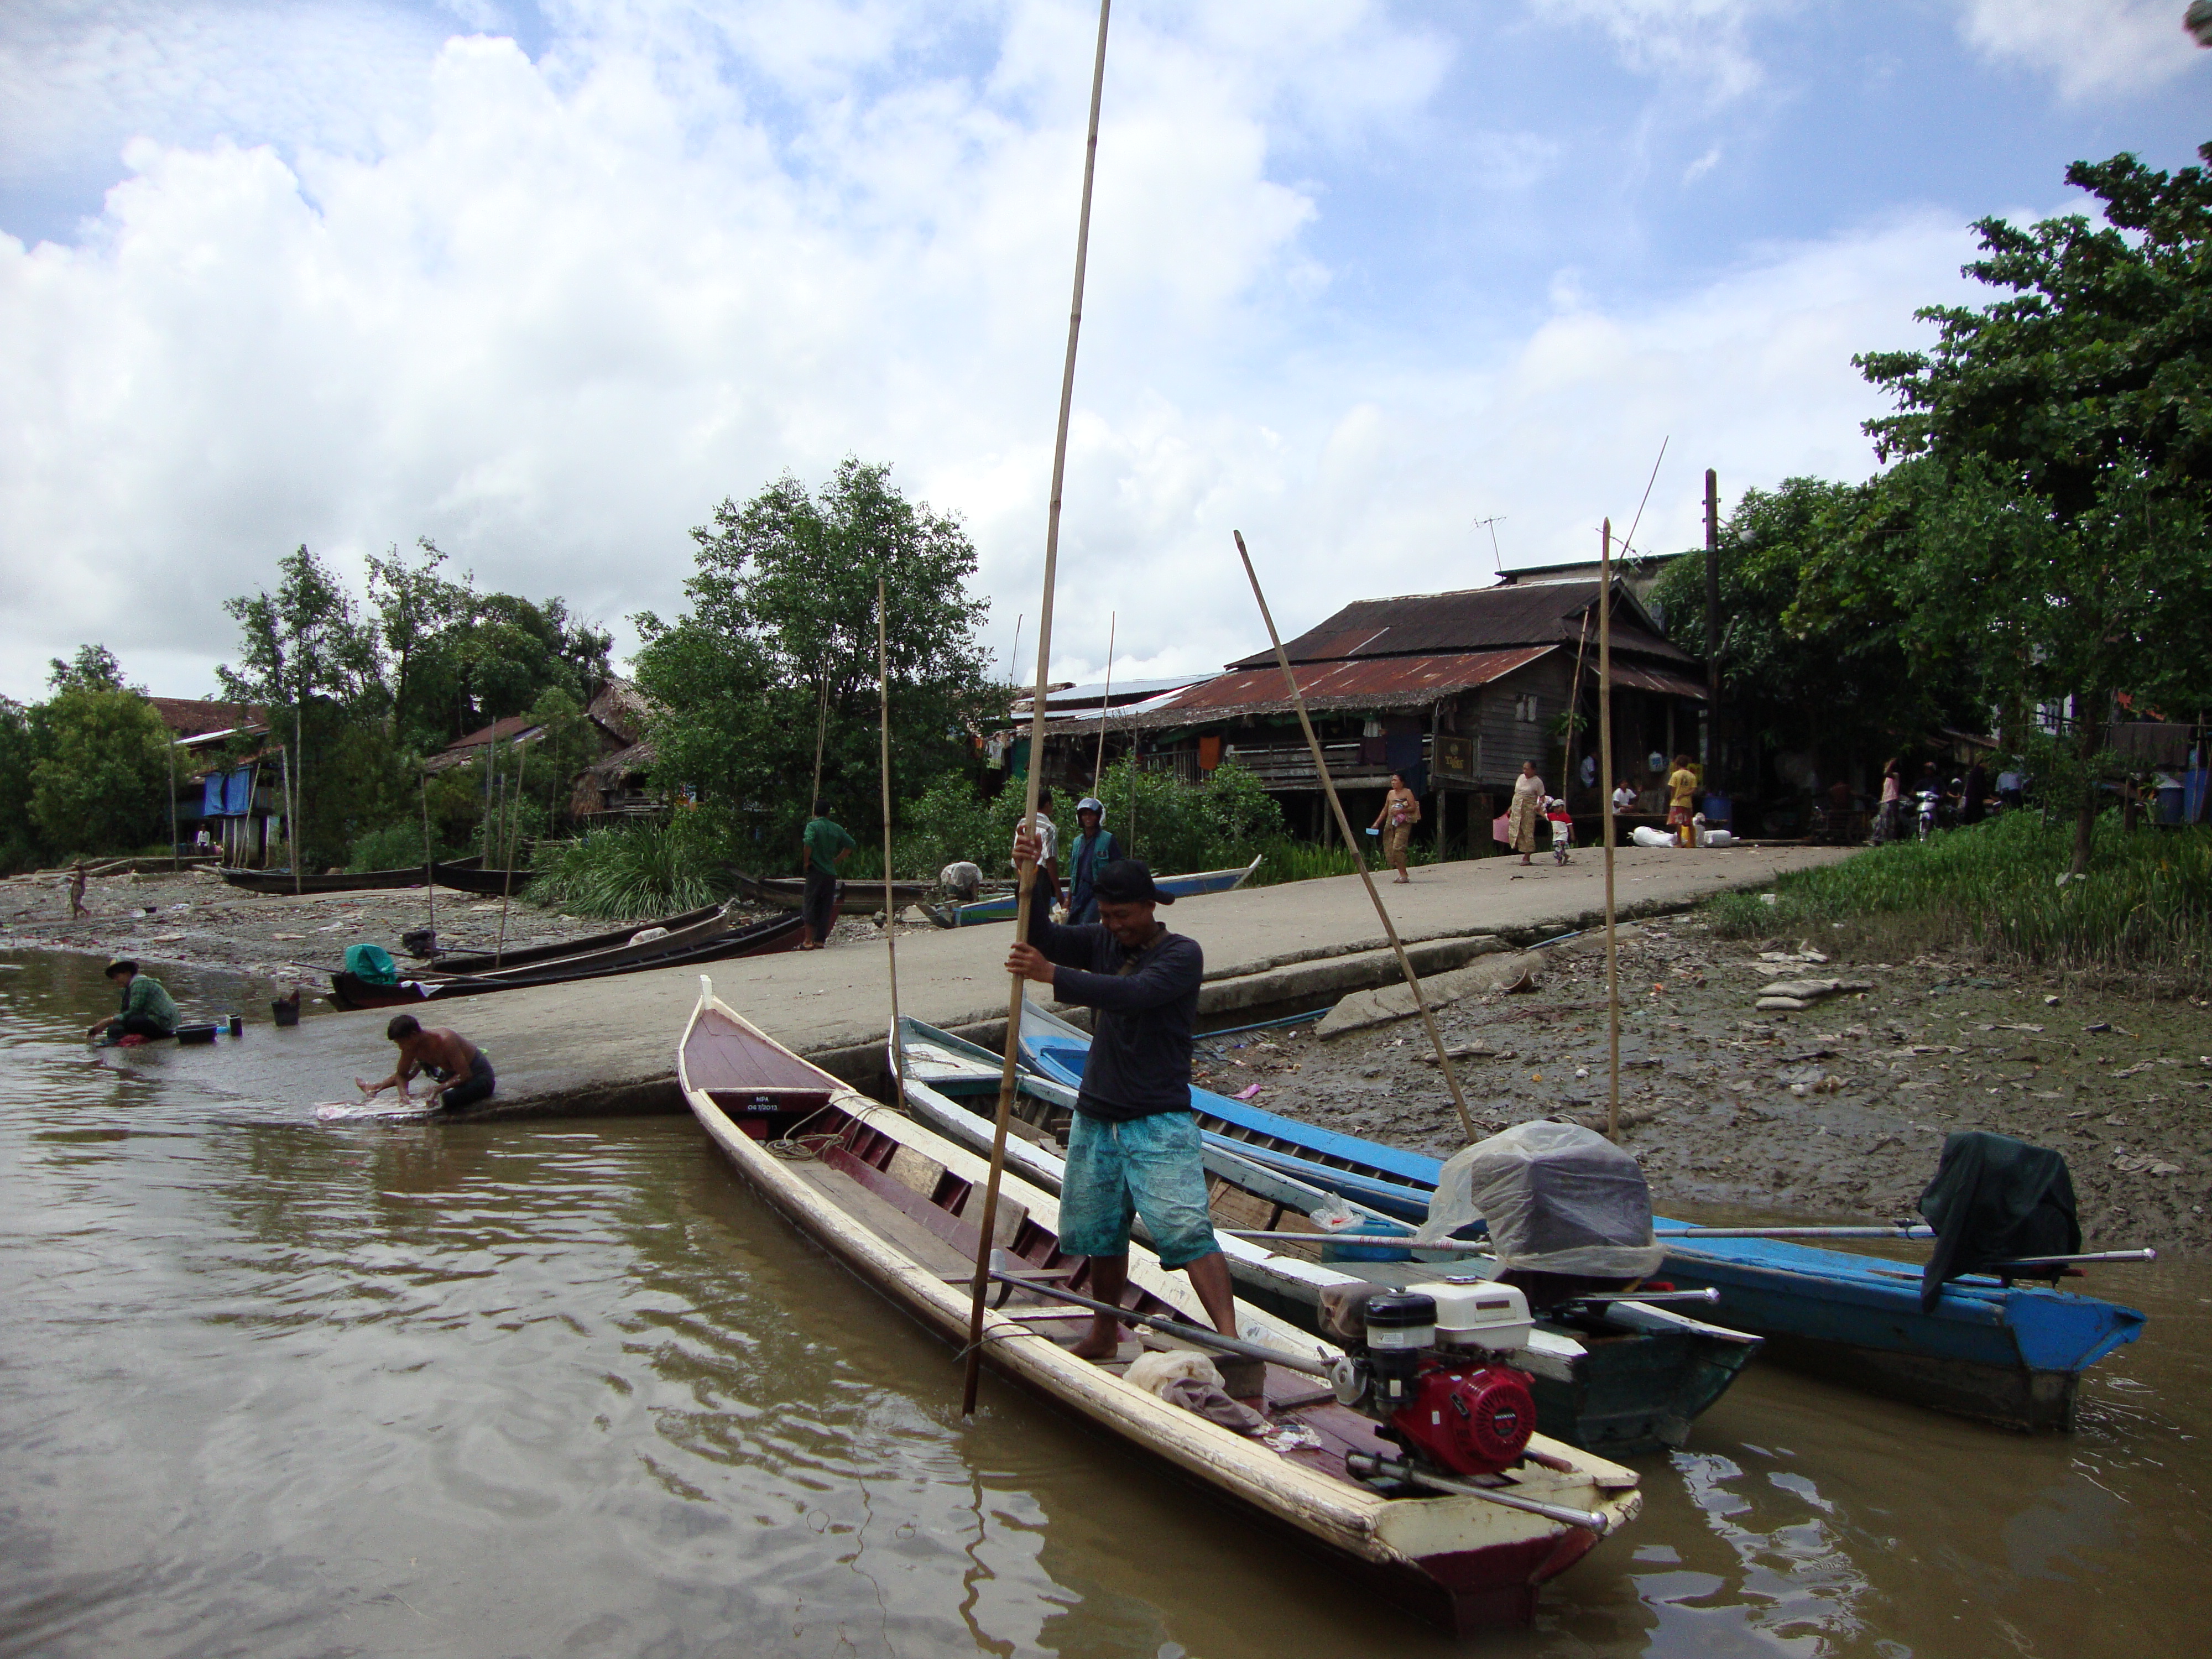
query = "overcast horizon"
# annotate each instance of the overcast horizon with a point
(546, 283)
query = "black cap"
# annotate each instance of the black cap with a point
(1127, 881)
(121, 965)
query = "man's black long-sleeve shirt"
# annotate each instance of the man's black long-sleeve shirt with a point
(1146, 1002)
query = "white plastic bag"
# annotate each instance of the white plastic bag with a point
(1558, 1198)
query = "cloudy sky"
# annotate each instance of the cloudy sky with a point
(545, 282)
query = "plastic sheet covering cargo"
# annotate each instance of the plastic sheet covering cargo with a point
(372, 964)
(1557, 1198)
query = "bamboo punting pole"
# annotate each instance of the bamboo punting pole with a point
(891, 906)
(173, 864)
(510, 797)
(429, 867)
(1328, 785)
(987, 1222)
(1098, 766)
(1605, 749)
(296, 775)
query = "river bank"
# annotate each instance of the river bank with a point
(282, 941)
(1837, 1112)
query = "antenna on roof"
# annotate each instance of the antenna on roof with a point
(1497, 558)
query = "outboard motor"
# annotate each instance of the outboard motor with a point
(1427, 1364)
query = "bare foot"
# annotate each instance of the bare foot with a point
(1102, 1341)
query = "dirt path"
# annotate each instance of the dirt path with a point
(1837, 1112)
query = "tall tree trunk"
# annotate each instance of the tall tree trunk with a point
(2089, 733)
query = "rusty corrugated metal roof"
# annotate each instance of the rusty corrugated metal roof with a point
(1376, 682)
(1639, 678)
(1475, 619)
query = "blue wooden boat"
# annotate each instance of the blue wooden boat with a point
(1002, 906)
(1626, 1379)
(2010, 1354)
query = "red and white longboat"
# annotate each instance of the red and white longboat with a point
(888, 1197)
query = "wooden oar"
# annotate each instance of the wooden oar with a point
(1351, 842)
(890, 907)
(988, 1223)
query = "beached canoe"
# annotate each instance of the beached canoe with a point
(1003, 907)
(2012, 1354)
(894, 1203)
(718, 938)
(854, 898)
(1629, 1379)
(469, 877)
(477, 962)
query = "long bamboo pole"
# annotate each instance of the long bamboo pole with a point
(1098, 766)
(890, 905)
(1343, 824)
(298, 779)
(1605, 748)
(987, 1224)
(510, 793)
(173, 865)
(429, 867)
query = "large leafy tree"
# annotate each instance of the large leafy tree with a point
(1800, 667)
(99, 754)
(778, 646)
(2046, 521)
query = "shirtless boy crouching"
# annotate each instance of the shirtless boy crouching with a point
(461, 1071)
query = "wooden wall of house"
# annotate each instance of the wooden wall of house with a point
(1504, 740)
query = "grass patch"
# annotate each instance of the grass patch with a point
(2143, 914)
(633, 870)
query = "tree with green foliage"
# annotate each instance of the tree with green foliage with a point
(779, 644)
(2046, 523)
(1798, 668)
(101, 781)
(19, 757)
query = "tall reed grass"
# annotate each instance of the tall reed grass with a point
(634, 870)
(2143, 913)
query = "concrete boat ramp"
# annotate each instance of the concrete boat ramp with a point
(607, 1046)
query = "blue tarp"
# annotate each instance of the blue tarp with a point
(237, 792)
(211, 797)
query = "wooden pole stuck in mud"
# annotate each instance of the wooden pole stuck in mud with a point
(429, 866)
(1329, 786)
(891, 906)
(1605, 749)
(987, 1222)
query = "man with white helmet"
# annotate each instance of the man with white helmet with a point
(1095, 848)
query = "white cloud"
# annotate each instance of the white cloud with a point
(557, 309)
(2089, 47)
(1702, 42)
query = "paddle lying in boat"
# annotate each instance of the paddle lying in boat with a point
(1000, 906)
(719, 937)
(1624, 1378)
(888, 1197)
(2006, 1354)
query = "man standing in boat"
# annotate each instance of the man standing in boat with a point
(827, 846)
(1134, 1148)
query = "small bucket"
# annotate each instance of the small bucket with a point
(287, 1013)
(238, 1026)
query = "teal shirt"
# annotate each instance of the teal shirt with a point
(824, 841)
(149, 996)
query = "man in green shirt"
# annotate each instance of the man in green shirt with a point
(148, 1010)
(827, 846)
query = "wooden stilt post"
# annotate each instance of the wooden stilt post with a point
(987, 1222)
(1351, 843)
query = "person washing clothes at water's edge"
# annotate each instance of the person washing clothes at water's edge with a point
(148, 1010)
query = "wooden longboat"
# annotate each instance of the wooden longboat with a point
(477, 962)
(1630, 1379)
(468, 878)
(854, 898)
(1001, 907)
(2006, 1354)
(886, 1197)
(280, 882)
(714, 939)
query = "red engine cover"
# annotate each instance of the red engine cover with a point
(1469, 1422)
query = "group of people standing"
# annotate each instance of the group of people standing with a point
(1532, 804)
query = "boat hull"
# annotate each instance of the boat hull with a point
(2011, 1355)
(1003, 907)
(1458, 1562)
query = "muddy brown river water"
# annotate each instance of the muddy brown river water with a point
(276, 1387)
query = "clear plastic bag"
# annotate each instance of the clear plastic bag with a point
(1557, 1198)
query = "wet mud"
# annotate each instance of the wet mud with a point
(1837, 1112)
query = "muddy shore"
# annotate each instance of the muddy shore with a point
(1836, 1112)
(280, 940)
